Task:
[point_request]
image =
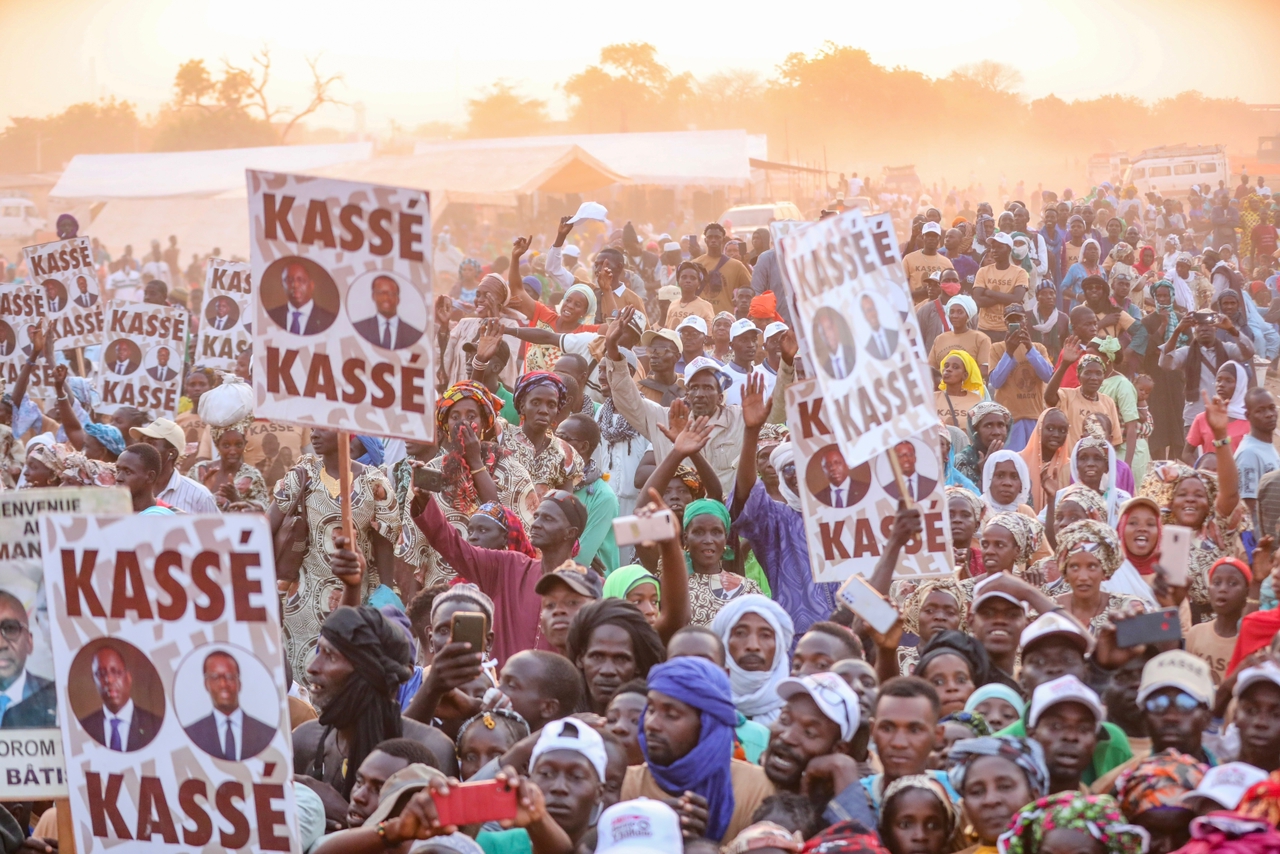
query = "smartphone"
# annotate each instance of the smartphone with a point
(474, 803)
(1204, 316)
(659, 527)
(468, 626)
(1156, 627)
(865, 601)
(1175, 553)
(1014, 327)
(428, 480)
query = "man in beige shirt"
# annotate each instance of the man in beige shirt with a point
(724, 274)
(919, 264)
(997, 285)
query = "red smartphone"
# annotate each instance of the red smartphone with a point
(473, 803)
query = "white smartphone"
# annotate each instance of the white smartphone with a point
(656, 528)
(865, 601)
(1175, 553)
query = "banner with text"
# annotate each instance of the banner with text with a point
(848, 510)
(226, 328)
(31, 766)
(21, 308)
(858, 324)
(73, 301)
(344, 315)
(165, 630)
(141, 364)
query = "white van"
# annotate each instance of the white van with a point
(19, 218)
(1173, 169)
(744, 219)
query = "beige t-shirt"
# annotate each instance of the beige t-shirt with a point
(972, 341)
(917, 265)
(1073, 404)
(678, 311)
(286, 447)
(1205, 643)
(734, 274)
(1070, 255)
(959, 405)
(1001, 281)
(1023, 391)
(750, 788)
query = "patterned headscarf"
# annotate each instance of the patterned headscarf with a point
(241, 427)
(915, 601)
(108, 435)
(1090, 501)
(1088, 358)
(1159, 781)
(846, 837)
(79, 470)
(489, 403)
(1026, 753)
(1097, 815)
(930, 785)
(1097, 538)
(1025, 531)
(470, 264)
(1262, 800)
(536, 379)
(51, 456)
(459, 490)
(517, 539)
(688, 475)
(976, 504)
(972, 721)
(981, 411)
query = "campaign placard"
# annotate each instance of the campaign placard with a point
(174, 719)
(849, 510)
(142, 359)
(226, 323)
(73, 301)
(344, 317)
(858, 326)
(21, 308)
(31, 766)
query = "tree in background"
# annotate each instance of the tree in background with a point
(45, 145)
(629, 91)
(502, 111)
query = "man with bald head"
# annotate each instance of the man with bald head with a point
(386, 329)
(300, 315)
(118, 724)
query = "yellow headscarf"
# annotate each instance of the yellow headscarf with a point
(973, 382)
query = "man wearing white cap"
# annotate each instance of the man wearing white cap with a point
(704, 382)
(568, 764)
(663, 384)
(997, 285)
(639, 826)
(1257, 695)
(925, 260)
(809, 745)
(772, 353)
(176, 491)
(1175, 697)
(1223, 787)
(744, 342)
(1064, 717)
(693, 332)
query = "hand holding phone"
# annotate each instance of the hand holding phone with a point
(476, 802)
(1155, 627)
(865, 601)
(656, 527)
(468, 627)
(428, 480)
(1175, 554)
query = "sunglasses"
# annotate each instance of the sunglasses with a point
(12, 630)
(1160, 703)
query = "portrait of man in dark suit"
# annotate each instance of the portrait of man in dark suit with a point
(919, 486)
(882, 343)
(118, 724)
(843, 489)
(833, 343)
(300, 315)
(123, 357)
(228, 732)
(222, 313)
(84, 299)
(26, 700)
(160, 371)
(55, 296)
(8, 339)
(386, 329)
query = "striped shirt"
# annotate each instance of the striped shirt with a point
(183, 493)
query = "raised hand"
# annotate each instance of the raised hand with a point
(1071, 350)
(677, 419)
(1048, 482)
(470, 443)
(614, 335)
(694, 437)
(36, 333)
(520, 245)
(563, 231)
(490, 335)
(59, 378)
(1215, 415)
(754, 409)
(790, 346)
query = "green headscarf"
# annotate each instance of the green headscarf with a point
(707, 507)
(624, 579)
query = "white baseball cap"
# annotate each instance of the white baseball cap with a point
(1001, 237)
(931, 228)
(980, 596)
(666, 334)
(741, 326)
(1054, 623)
(705, 363)
(672, 246)
(1264, 672)
(1226, 784)
(1177, 669)
(775, 328)
(571, 250)
(1064, 689)
(693, 322)
(571, 734)
(831, 693)
(590, 210)
(641, 826)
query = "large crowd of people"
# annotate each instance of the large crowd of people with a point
(1100, 365)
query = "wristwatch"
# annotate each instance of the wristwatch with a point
(1222, 443)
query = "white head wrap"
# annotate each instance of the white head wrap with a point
(779, 457)
(755, 692)
(966, 302)
(988, 472)
(1235, 406)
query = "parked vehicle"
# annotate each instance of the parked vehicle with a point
(19, 218)
(1172, 170)
(741, 220)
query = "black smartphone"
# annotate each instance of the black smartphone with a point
(428, 480)
(468, 627)
(1156, 627)
(1014, 327)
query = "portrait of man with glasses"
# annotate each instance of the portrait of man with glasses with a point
(26, 700)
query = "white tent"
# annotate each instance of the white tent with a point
(705, 157)
(102, 177)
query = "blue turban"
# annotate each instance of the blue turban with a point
(373, 453)
(107, 435)
(705, 769)
(534, 284)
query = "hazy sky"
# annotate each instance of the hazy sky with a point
(414, 61)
